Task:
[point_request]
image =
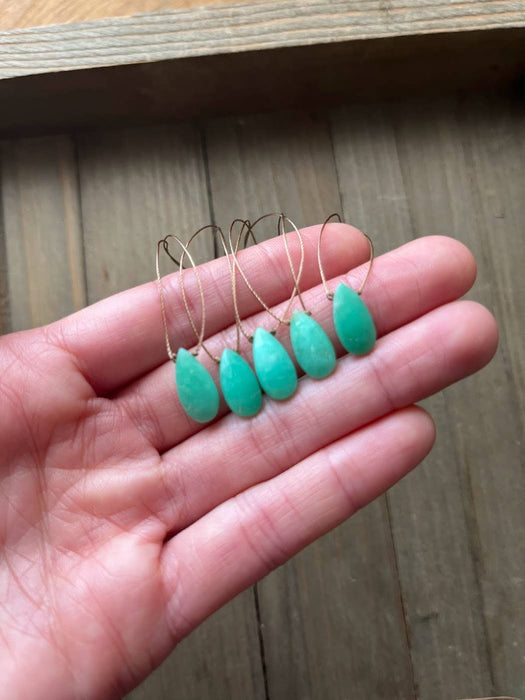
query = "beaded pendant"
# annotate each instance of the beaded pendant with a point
(239, 384)
(352, 320)
(312, 347)
(273, 366)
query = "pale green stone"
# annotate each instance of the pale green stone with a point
(274, 368)
(197, 392)
(312, 347)
(239, 384)
(352, 320)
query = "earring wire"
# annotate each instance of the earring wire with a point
(199, 334)
(330, 294)
(247, 230)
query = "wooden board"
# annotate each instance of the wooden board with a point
(447, 543)
(492, 459)
(475, 150)
(239, 27)
(298, 77)
(28, 13)
(455, 167)
(40, 206)
(137, 186)
(435, 561)
(324, 633)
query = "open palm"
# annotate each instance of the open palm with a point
(123, 524)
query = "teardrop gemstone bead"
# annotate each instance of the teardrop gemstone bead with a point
(239, 384)
(197, 392)
(312, 347)
(352, 320)
(274, 368)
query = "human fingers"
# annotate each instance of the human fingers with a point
(406, 366)
(404, 284)
(257, 530)
(120, 338)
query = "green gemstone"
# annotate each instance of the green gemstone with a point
(196, 389)
(312, 347)
(352, 320)
(239, 384)
(273, 366)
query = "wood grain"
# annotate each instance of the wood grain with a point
(42, 229)
(255, 81)
(28, 13)
(167, 35)
(454, 167)
(436, 564)
(324, 633)
(493, 461)
(474, 147)
(137, 186)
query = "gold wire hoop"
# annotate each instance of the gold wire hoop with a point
(199, 334)
(330, 294)
(247, 229)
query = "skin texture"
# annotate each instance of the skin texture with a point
(124, 524)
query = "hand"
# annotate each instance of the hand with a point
(123, 524)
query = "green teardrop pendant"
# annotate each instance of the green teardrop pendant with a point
(312, 347)
(197, 392)
(273, 366)
(239, 384)
(352, 320)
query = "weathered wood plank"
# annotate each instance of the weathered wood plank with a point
(463, 169)
(462, 575)
(167, 35)
(137, 186)
(324, 632)
(438, 584)
(295, 77)
(436, 565)
(42, 229)
(264, 163)
(27, 13)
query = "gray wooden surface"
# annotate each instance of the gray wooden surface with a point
(422, 594)
(240, 26)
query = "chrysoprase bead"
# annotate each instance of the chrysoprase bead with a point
(312, 347)
(274, 368)
(239, 384)
(352, 320)
(196, 389)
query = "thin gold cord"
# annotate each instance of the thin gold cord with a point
(247, 229)
(329, 294)
(180, 263)
(162, 304)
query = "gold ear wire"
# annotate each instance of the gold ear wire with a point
(199, 334)
(247, 230)
(329, 294)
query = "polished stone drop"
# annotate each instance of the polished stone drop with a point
(274, 368)
(239, 384)
(352, 320)
(312, 347)
(196, 389)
